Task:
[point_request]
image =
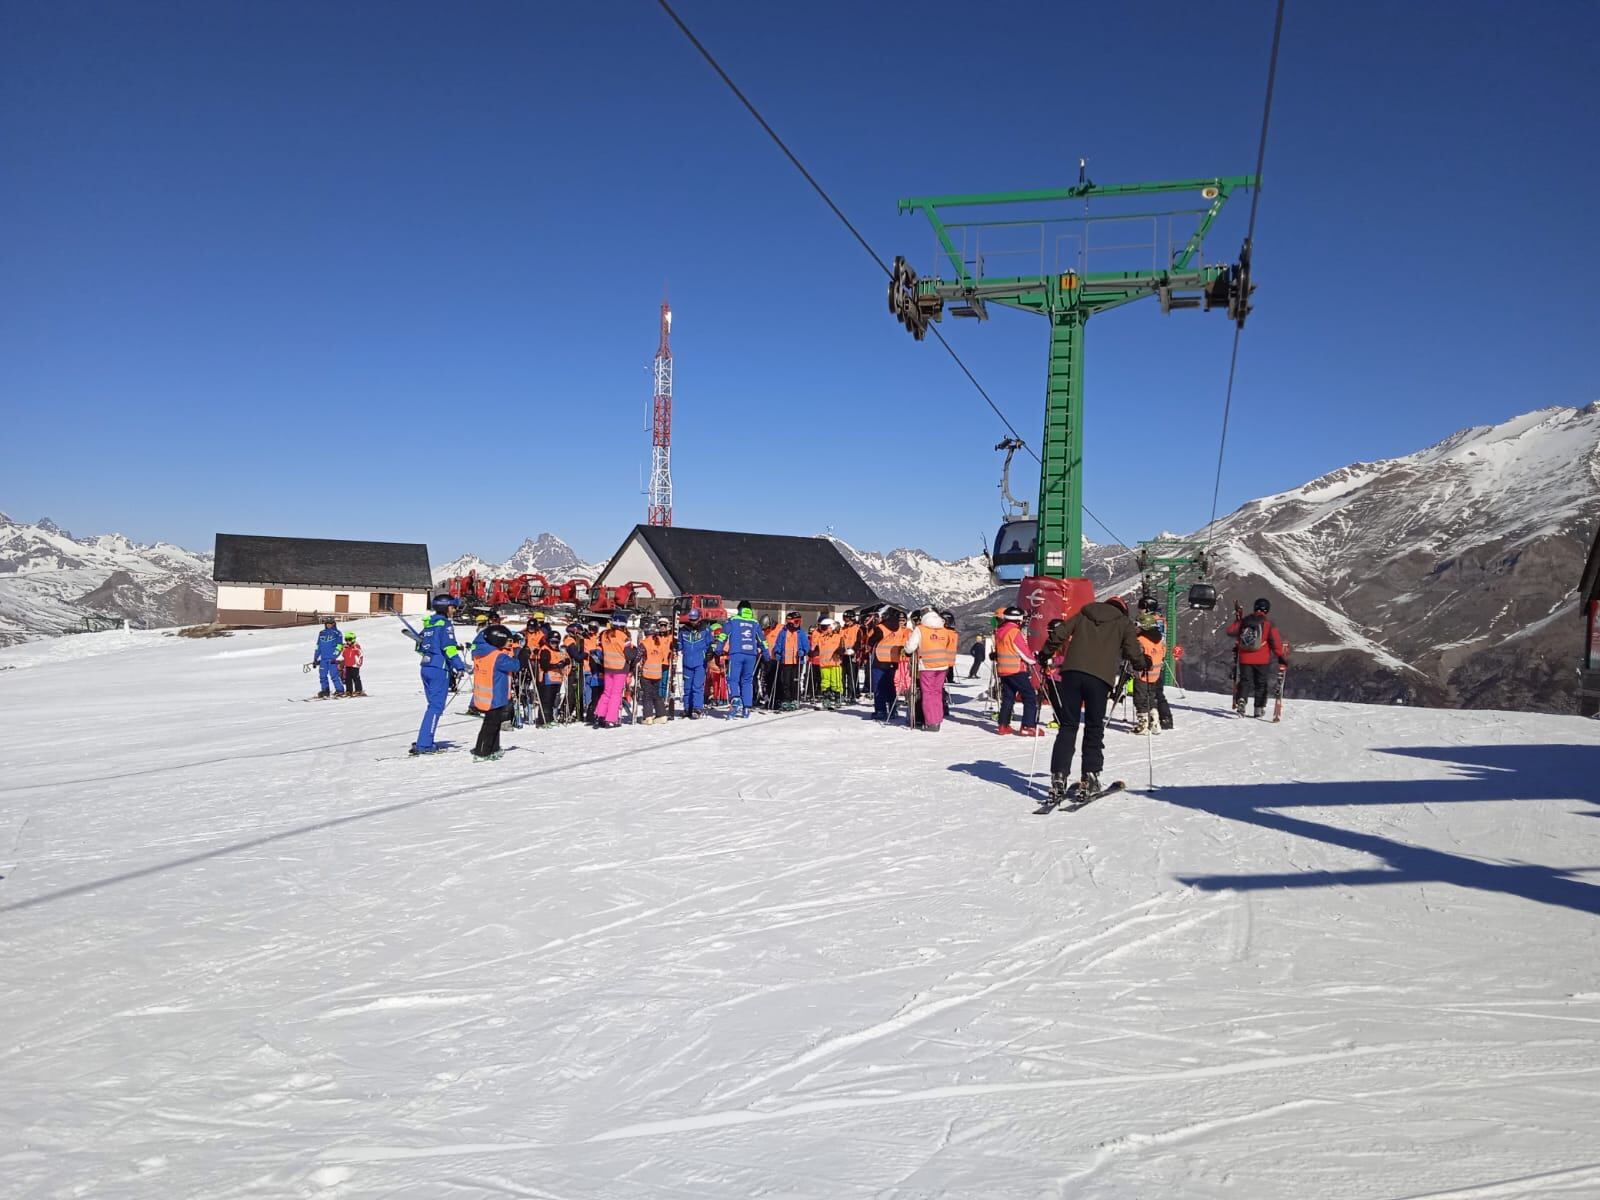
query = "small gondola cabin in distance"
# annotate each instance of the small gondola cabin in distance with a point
(264, 581)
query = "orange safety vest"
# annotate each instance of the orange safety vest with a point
(849, 636)
(553, 664)
(657, 650)
(1157, 651)
(535, 639)
(891, 647)
(1006, 659)
(828, 644)
(614, 649)
(483, 680)
(791, 645)
(771, 638)
(937, 649)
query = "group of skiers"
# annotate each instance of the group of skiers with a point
(337, 660)
(740, 665)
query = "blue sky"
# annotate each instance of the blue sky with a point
(391, 269)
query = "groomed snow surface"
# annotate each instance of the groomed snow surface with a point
(252, 950)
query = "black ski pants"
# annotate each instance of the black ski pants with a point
(1152, 695)
(1254, 681)
(352, 679)
(549, 698)
(1088, 693)
(1011, 688)
(651, 702)
(489, 735)
(788, 683)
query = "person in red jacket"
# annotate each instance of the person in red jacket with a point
(350, 660)
(1257, 644)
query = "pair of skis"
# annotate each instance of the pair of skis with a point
(1075, 799)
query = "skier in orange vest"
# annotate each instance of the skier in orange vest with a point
(933, 645)
(1013, 666)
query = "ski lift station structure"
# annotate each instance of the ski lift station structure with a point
(1059, 286)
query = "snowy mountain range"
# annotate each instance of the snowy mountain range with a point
(1445, 577)
(545, 555)
(51, 582)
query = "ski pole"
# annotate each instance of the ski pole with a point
(1033, 765)
(1150, 753)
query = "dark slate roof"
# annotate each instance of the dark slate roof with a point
(313, 562)
(756, 566)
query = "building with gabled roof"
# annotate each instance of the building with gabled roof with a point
(774, 572)
(297, 581)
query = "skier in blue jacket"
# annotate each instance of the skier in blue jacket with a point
(326, 658)
(745, 647)
(441, 659)
(694, 643)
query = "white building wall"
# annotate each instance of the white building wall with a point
(236, 597)
(636, 562)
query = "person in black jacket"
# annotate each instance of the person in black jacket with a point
(1092, 644)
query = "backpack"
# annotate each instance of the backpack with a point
(1253, 632)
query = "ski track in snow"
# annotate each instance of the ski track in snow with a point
(796, 956)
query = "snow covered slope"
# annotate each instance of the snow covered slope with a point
(1446, 576)
(50, 581)
(545, 555)
(252, 950)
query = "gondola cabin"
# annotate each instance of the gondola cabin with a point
(1015, 547)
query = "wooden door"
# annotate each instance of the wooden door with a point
(341, 603)
(273, 600)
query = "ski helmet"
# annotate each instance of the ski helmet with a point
(1148, 603)
(538, 616)
(825, 623)
(1012, 613)
(1118, 602)
(441, 603)
(948, 617)
(746, 612)
(768, 622)
(694, 614)
(330, 620)
(1263, 605)
(663, 623)
(349, 637)
(497, 635)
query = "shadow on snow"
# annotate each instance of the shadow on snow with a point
(1486, 774)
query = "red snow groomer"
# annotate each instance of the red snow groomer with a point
(711, 607)
(603, 601)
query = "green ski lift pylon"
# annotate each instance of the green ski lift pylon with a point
(1068, 298)
(1179, 562)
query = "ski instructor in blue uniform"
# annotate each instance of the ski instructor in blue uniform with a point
(745, 646)
(329, 642)
(441, 658)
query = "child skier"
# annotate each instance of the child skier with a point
(694, 646)
(1013, 666)
(616, 655)
(350, 660)
(494, 674)
(933, 647)
(826, 650)
(1149, 686)
(655, 664)
(789, 650)
(326, 659)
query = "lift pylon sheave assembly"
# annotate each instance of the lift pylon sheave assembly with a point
(1068, 297)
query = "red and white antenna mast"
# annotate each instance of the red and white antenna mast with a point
(660, 511)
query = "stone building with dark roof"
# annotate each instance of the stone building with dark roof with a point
(296, 581)
(773, 572)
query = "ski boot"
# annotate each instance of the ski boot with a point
(1060, 787)
(1030, 731)
(1004, 729)
(1088, 786)
(1142, 724)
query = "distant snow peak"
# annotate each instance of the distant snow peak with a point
(545, 555)
(50, 581)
